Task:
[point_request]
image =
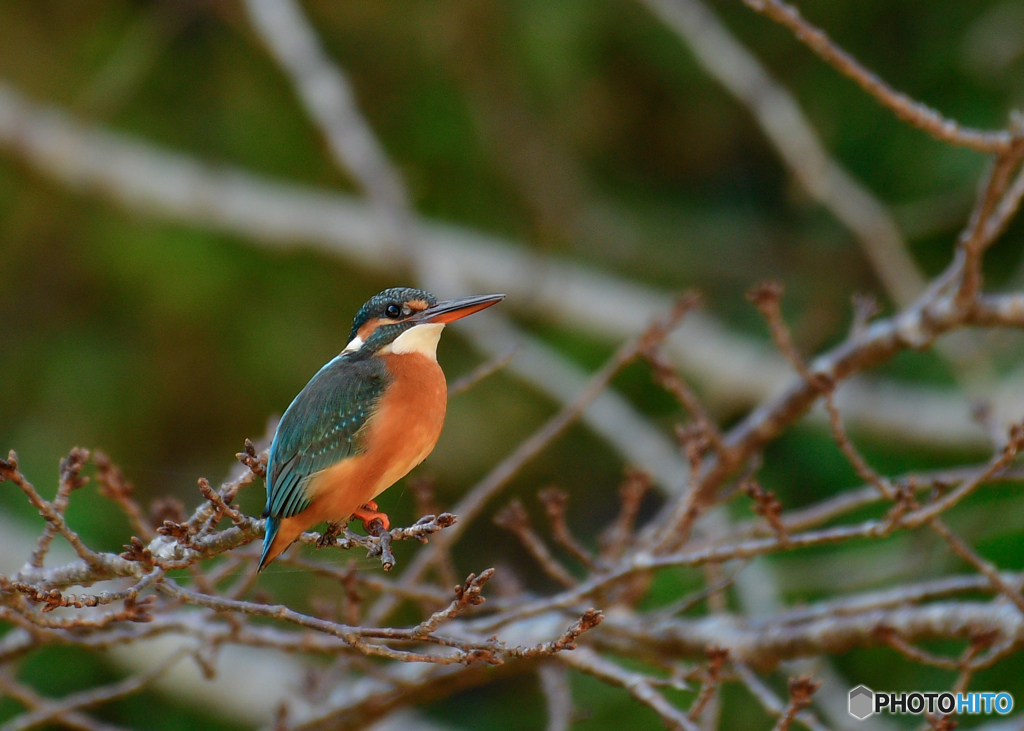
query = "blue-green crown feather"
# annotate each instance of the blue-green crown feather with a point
(377, 305)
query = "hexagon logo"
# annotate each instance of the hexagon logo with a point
(862, 702)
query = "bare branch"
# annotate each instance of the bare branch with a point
(514, 519)
(504, 471)
(767, 698)
(54, 710)
(902, 105)
(554, 503)
(70, 480)
(798, 144)
(554, 682)
(466, 596)
(712, 676)
(800, 692)
(273, 213)
(481, 372)
(327, 95)
(639, 686)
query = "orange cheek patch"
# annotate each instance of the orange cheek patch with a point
(368, 327)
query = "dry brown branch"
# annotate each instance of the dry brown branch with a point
(903, 106)
(981, 230)
(789, 130)
(763, 643)
(887, 599)
(32, 701)
(514, 519)
(115, 487)
(554, 503)
(767, 506)
(800, 692)
(641, 687)
(915, 654)
(675, 385)
(712, 677)
(481, 372)
(854, 457)
(688, 602)
(197, 540)
(767, 698)
(55, 518)
(70, 480)
(916, 327)
(834, 507)
(945, 502)
(619, 534)
(644, 562)
(466, 596)
(53, 598)
(767, 298)
(220, 506)
(962, 549)
(257, 464)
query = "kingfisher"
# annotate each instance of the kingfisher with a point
(364, 420)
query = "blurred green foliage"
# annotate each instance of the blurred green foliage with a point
(583, 129)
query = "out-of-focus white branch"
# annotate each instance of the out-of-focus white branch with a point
(328, 97)
(733, 370)
(794, 138)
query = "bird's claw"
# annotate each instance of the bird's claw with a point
(368, 514)
(328, 537)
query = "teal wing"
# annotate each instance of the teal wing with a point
(320, 428)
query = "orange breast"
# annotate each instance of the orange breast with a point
(398, 437)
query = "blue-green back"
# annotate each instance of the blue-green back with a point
(321, 427)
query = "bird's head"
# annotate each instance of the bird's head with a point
(405, 320)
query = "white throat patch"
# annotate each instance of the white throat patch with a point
(355, 344)
(417, 339)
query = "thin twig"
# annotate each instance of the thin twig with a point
(54, 710)
(767, 698)
(800, 692)
(70, 480)
(514, 519)
(482, 371)
(712, 676)
(555, 501)
(902, 105)
(639, 686)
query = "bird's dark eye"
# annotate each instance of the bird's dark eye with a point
(393, 311)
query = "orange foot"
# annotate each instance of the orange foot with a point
(369, 513)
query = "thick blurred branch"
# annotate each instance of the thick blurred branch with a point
(733, 370)
(798, 144)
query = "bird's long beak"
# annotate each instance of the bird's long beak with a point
(452, 310)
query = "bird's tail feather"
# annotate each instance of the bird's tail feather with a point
(273, 524)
